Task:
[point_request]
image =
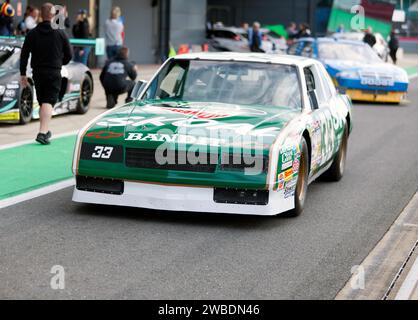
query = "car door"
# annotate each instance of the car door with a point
(323, 134)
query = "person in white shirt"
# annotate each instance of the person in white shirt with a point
(31, 20)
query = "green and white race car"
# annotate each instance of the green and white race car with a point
(219, 133)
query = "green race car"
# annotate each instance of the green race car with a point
(220, 133)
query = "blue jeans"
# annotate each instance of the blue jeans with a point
(84, 59)
(112, 51)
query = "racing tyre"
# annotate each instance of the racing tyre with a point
(336, 172)
(26, 105)
(302, 184)
(86, 92)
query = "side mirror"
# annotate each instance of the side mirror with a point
(138, 89)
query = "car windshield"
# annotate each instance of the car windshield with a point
(347, 51)
(241, 83)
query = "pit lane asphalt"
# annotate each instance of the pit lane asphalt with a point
(116, 253)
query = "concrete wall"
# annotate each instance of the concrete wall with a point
(141, 26)
(187, 22)
(235, 12)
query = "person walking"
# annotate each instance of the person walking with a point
(81, 30)
(7, 13)
(114, 33)
(50, 49)
(114, 77)
(255, 38)
(393, 46)
(369, 37)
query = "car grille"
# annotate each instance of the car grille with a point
(246, 197)
(376, 79)
(146, 159)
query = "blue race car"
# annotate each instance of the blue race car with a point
(356, 69)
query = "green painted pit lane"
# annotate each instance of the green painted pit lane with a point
(33, 166)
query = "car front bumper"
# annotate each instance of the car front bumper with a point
(388, 97)
(182, 199)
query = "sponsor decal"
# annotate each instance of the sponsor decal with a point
(175, 138)
(287, 165)
(7, 48)
(287, 156)
(106, 153)
(289, 192)
(288, 175)
(104, 135)
(12, 86)
(200, 114)
(296, 165)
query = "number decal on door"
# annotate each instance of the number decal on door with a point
(102, 152)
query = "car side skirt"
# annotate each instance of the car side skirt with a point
(183, 199)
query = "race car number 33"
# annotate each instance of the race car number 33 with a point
(90, 151)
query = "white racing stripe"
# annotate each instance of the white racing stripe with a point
(36, 193)
(25, 142)
(410, 284)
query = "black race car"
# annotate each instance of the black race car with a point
(19, 105)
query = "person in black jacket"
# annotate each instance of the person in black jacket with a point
(114, 77)
(50, 49)
(81, 30)
(393, 46)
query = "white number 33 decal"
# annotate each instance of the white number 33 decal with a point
(102, 152)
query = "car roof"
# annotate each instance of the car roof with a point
(247, 57)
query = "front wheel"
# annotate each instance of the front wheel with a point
(302, 183)
(86, 92)
(26, 105)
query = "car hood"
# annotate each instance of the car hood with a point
(335, 66)
(148, 124)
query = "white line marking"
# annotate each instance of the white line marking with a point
(26, 142)
(36, 193)
(410, 284)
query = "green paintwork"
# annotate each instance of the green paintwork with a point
(129, 119)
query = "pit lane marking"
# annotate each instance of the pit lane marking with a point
(37, 193)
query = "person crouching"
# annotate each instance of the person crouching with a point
(114, 77)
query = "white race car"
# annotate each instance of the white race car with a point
(218, 132)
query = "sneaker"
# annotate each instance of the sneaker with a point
(111, 101)
(43, 138)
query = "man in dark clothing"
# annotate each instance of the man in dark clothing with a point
(369, 37)
(81, 30)
(393, 46)
(50, 49)
(114, 77)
